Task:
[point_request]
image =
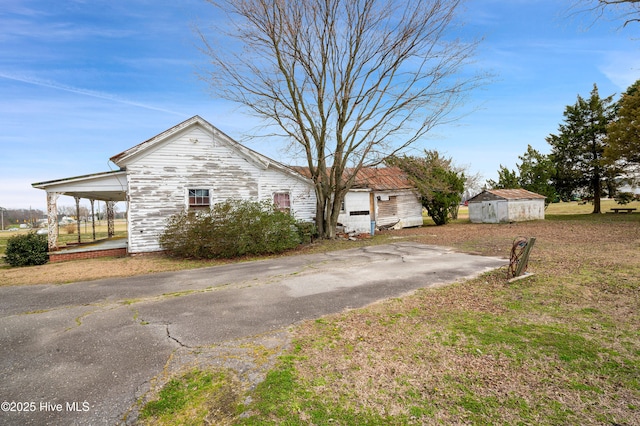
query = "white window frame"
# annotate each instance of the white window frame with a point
(197, 206)
(286, 209)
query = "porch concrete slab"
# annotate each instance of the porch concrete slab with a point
(95, 347)
(106, 244)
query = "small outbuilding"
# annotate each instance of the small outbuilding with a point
(381, 198)
(506, 205)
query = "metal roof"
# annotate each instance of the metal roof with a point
(510, 194)
(377, 179)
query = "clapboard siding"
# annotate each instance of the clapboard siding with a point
(159, 179)
(302, 195)
(403, 209)
(506, 205)
(409, 209)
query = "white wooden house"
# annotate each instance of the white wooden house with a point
(189, 166)
(193, 165)
(506, 205)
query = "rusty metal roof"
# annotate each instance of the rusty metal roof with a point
(377, 179)
(511, 194)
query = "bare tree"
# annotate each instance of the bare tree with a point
(626, 10)
(350, 82)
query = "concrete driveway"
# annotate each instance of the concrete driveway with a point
(83, 353)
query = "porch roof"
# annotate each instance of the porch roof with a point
(105, 186)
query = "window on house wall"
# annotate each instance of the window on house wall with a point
(282, 201)
(199, 198)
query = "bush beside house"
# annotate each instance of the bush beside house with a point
(27, 250)
(231, 229)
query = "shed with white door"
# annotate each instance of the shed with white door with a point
(506, 205)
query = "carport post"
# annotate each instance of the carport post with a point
(52, 220)
(93, 219)
(110, 219)
(78, 217)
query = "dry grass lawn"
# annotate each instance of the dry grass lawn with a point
(559, 347)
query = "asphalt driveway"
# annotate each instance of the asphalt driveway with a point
(83, 353)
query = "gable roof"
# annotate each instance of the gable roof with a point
(131, 154)
(134, 152)
(507, 194)
(376, 179)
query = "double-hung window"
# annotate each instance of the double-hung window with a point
(282, 201)
(199, 198)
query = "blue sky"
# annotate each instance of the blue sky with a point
(81, 81)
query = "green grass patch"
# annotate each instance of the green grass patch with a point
(508, 336)
(195, 398)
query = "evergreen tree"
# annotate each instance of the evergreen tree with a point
(624, 133)
(507, 179)
(438, 182)
(577, 150)
(536, 174)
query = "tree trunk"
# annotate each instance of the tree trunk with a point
(327, 215)
(597, 193)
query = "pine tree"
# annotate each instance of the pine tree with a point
(624, 132)
(578, 148)
(536, 174)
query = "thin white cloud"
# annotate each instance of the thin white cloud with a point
(85, 92)
(621, 68)
(21, 29)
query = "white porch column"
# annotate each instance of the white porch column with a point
(93, 219)
(78, 218)
(52, 220)
(110, 219)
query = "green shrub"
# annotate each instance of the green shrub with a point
(307, 231)
(27, 250)
(231, 229)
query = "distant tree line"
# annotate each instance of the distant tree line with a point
(13, 217)
(21, 216)
(595, 151)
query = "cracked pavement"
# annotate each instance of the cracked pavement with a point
(87, 352)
